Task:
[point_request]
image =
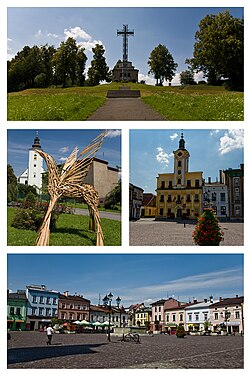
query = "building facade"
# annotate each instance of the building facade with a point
(227, 315)
(118, 315)
(143, 316)
(124, 71)
(198, 315)
(179, 194)
(32, 176)
(135, 202)
(234, 180)
(103, 177)
(16, 310)
(148, 208)
(158, 322)
(42, 306)
(215, 196)
(73, 307)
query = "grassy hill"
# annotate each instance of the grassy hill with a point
(198, 102)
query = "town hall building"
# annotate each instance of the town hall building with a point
(179, 194)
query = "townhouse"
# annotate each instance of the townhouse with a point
(73, 307)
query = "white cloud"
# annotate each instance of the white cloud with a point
(113, 133)
(63, 159)
(216, 131)
(64, 149)
(174, 136)
(77, 32)
(53, 35)
(231, 140)
(163, 157)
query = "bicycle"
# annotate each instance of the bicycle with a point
(131, 337)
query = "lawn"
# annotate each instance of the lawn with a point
(198, 102)
(71, 230)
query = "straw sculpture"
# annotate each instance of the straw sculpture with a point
(69, 183)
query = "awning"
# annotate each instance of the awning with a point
(171, 325)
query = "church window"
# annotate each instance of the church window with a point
(162, 198)
(34, 165)
(179, 171)
(170, 184)
(169, 198)
(179, 181)
(197, 183)
(179, 163)
(35, 156)
(188, 183)
(163, 184)
(179, 153)
(188, 198)
(34, 175)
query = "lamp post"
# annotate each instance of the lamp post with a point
(118, 301)
(107, 300)
(227, 317)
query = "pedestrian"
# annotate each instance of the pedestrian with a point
(49, 332)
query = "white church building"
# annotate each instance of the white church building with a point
(32, 176)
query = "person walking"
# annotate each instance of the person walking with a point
(49, 332)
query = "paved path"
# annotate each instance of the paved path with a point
(103, 214)
(28, 350)
(148, 232)
(125, 109)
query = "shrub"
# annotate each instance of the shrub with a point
(180, 332)
(207, 231)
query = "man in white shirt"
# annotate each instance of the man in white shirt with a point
(49, 332)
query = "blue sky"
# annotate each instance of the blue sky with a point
(59, 144)
(134, 277)
(151, 153)
(173, 27)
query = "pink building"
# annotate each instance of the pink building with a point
(158, 321)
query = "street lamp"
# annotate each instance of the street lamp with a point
(107, 300)
(118, 301)
(227, 317)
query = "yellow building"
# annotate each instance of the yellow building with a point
(179, 194)
(143, 316)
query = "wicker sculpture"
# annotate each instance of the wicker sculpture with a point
(69, 183)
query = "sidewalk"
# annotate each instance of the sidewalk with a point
(125, 109)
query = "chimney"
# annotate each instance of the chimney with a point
(242, 167)
(195, 301)
(209, 180)
(237, 296)
(221, 182)
(66, 293)
(205, 300)
(220, 299)
(211, 299)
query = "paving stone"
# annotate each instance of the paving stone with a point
(78, 351)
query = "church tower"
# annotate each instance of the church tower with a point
(35, 168)
(32, 176)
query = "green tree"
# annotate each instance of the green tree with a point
(162, 64)
(187, 78)
(113, 199)
(11, 184)
(23, 190)
(99, 70)
(219, 49)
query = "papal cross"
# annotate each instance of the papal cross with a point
(125, 32)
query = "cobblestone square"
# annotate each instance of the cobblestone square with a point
(79, 351)
(148, 232)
